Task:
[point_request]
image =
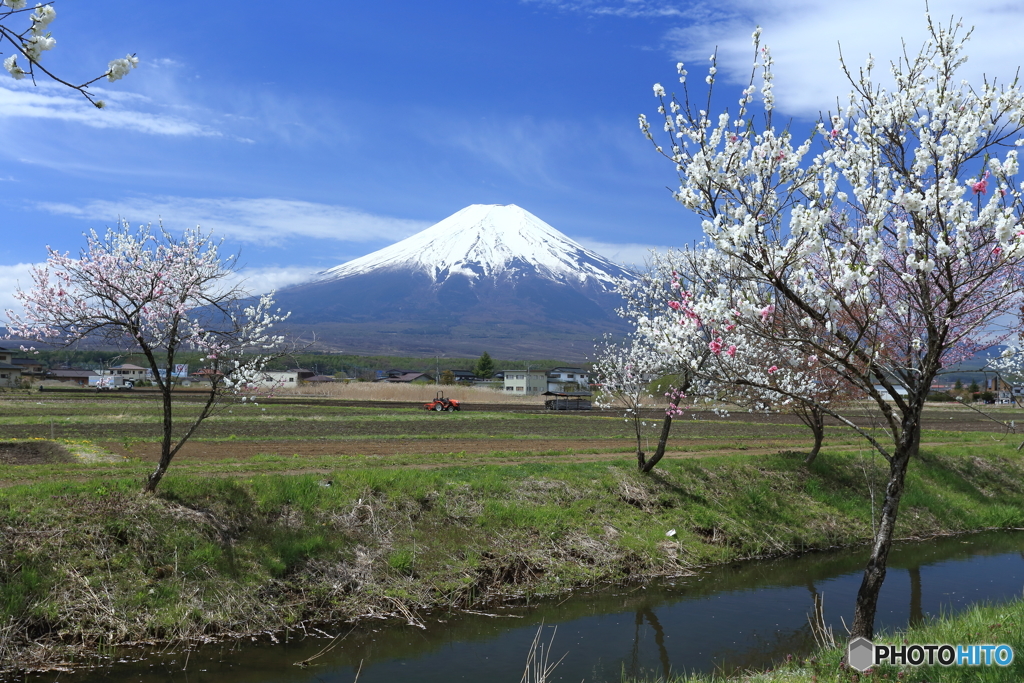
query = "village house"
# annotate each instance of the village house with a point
(272, 379)
(568, 380)
(10, 374)
(133, 372)
(526, 381)
(80, 377)
(1002, 390)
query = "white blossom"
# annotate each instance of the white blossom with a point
(118, 68)
(11, 64)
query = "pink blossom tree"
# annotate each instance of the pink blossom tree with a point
(154, 294)
(664, 351)
(34, 38)
(885, 252)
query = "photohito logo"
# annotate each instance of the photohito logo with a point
(863, 654)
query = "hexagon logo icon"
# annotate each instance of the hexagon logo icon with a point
(860, 654)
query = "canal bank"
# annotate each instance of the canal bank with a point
(91, 564)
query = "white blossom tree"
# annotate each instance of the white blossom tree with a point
(668, 352)
(674, 306)
(154, 294)
(886, 252)
(625, 371)
(34, 39)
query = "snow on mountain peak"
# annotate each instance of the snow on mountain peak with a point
(487, 240)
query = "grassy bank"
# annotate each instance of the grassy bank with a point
(980, 624)
(92, 562)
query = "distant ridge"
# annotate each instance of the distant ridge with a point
(489, 277)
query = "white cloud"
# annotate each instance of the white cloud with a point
(265, 221)
(630, 255)
(805, 38)
(263, 280)
(11, 277)
(20, 99)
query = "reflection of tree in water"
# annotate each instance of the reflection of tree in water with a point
(916, 614)
(659, 640)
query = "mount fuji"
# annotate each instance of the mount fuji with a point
(488, 278)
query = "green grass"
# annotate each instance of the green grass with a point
(238, 546)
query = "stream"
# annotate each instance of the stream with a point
(736, 616)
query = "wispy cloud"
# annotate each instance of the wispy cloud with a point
(20, 99)
(620, 8)
(265, 221)
(525, 148)
(630, 255)
(253, 280)
(805, 39)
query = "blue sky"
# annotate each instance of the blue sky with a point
(308, 135)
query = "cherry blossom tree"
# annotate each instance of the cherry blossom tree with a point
(154, 294)
(673, 306)
(664, 351)
(884, 245)
(34, 39)
(625, 371)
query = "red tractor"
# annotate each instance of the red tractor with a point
(441, 403)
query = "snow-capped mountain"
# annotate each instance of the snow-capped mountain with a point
(487, 240)
(490, 278)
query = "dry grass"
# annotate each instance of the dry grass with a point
(388, 391)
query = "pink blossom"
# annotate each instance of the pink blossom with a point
(731, 351)
(997, 251)
(773, 369)
(981, 186)
(716, 346)
(767, 311)
(674, 305)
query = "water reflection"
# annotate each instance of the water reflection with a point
(738, 616)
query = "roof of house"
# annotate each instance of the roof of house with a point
(568, 370)
(127, 366)
(409, 377)
(73, 373)
(322, 378)
(8, 366)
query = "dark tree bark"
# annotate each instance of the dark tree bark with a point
(648, 465)
(812, 416)
(874, 573)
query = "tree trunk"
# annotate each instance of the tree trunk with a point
(165, 444)
(666, 427)
(817, 425)
(874, 573)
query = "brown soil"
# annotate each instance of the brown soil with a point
(33, 453)
(212, 451)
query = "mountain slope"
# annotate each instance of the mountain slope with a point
(490, 277)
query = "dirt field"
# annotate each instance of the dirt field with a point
(322, 431)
